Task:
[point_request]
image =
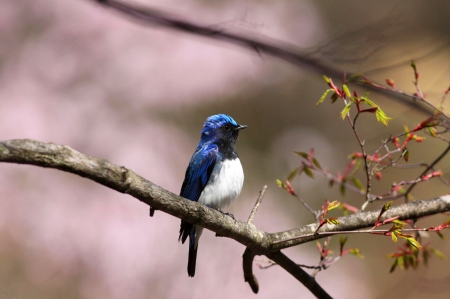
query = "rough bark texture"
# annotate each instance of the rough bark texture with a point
(258, 242)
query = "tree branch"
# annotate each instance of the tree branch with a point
(281, 50)
(50, 155)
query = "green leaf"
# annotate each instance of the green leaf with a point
(413, 242)
(333, 205)
(316, 163)
(357, 183)
(432, 132)
(413, 65)
(303, 155)
(342, 240)
(324, 96)
(334, 97)
(394, 237)
(382, 117)
(347, 91)
(394, 265)
(332, 221)
(368, 102)
(356, 252)
(342, 189)
(280, 184)
(437, 253)
(380, 114)
(293, 174)
(326, 79)
(346, 110)
(353, 77)
(425, 256)
(399, 224)
(308, 172)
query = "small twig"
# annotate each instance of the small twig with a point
(350, 232)
(258, 202)
(441, 156)
(307, 280)
(247, 263)
(272, 263)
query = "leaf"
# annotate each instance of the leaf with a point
(357, 183)
(342, 189)
(280, 184)
(394, 265)
(302, 154)
(413, 242)
(324, 96)
(356, 252)
(380, 114)
(342, 240)
(293, 174)
(413, 65)
(346, 110)
(406, 155)
(347, 91)
(332, 221)
(437, 253)
(432, 132)
(326, 79)
(398, 223)
(382, 117)
(394, 237)
(368, 102)
(353, 77)
(334, 97)
(333, 205)
(308, 172)
(316, 163)
(331, 183)
(425, 256)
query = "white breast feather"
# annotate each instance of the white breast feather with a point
(226, 186)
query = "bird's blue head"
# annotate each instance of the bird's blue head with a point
(221, 127)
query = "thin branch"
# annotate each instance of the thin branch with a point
(441, 156)
(281, 50)
(412, 210)
(307, 280)
(247, 264)
(258, 202)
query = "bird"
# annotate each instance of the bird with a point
(214, 176)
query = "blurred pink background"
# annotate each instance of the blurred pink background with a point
(75, 73)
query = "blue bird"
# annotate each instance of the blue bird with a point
(214, 176)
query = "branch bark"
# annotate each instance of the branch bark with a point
(282, 50)
(121, 179)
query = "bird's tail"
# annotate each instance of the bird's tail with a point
(192, 260)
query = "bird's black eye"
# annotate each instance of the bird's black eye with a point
(227, 127)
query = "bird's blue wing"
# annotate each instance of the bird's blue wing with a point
(199, 171)
(197, 175)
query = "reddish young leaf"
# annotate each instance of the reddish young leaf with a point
(391, 83)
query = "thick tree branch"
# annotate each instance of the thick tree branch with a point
(119, 178)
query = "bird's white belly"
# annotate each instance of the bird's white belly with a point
(224, 186)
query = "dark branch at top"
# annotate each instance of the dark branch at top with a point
(284, 51)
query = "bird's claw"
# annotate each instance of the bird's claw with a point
(225, 213)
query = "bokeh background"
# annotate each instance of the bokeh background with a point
(75, 73)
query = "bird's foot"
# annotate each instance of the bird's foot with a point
(225, 213)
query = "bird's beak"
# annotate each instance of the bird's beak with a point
(240, 127)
